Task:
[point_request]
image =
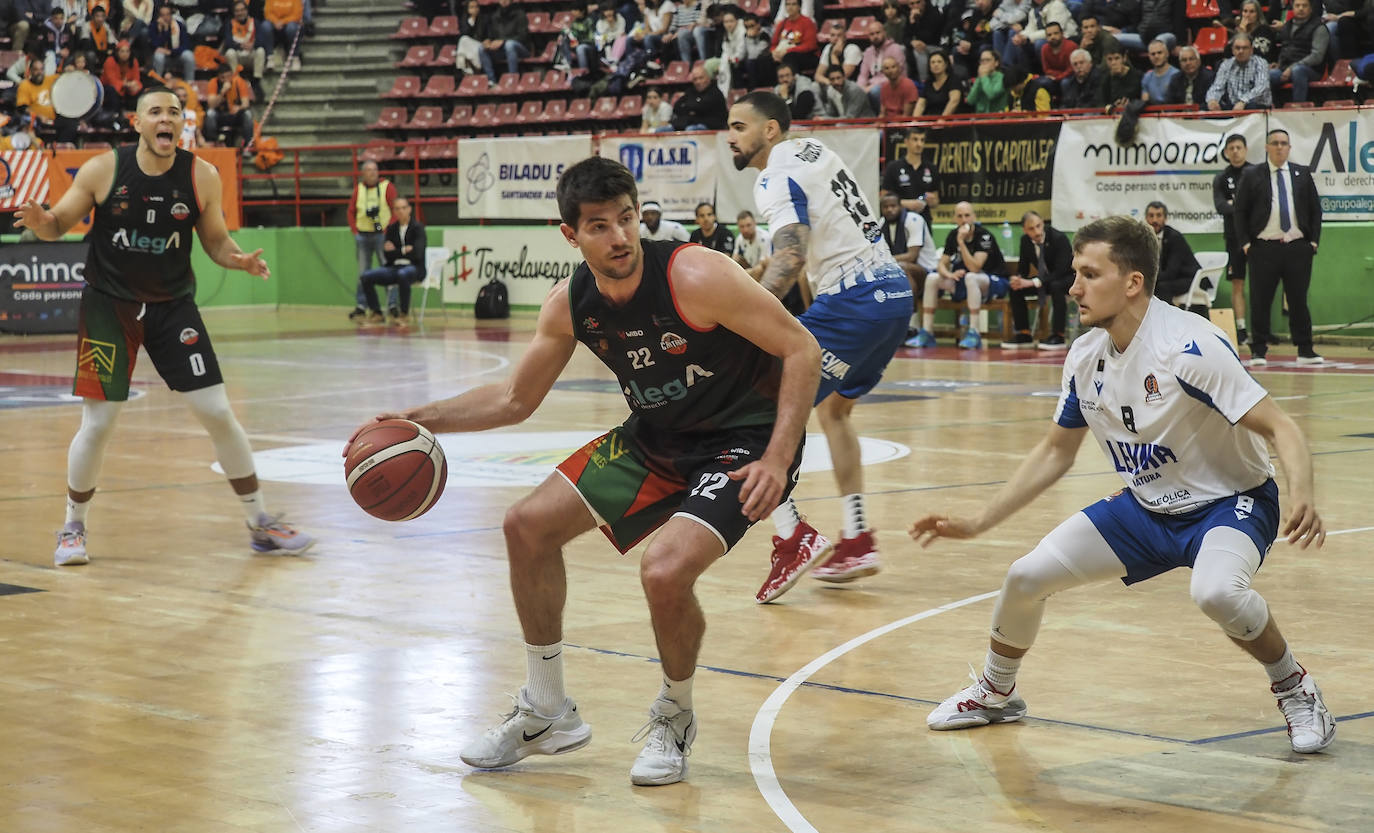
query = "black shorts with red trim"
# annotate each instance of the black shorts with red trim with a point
(633, 482)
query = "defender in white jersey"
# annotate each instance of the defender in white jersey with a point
(825, 227)
(1184, 424)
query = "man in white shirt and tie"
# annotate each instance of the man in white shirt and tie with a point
(1279, 218)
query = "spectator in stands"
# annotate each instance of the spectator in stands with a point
(286, 17)
(192, 117)
(403, 265)
(228, 105)
(137, 21)
(22, 138)
(799, 91)
(898, 94)
(1177, 265)
(942, 94)
(794, 40)
(241, 44)
(989, 92)
(972, 268)
(1263, 40)
(1045, 267)
(893, 22)
(1342, 19)
(1156, 84)
(1026, 91)
(911, 178)
(871, 75)
(756, 68)
(35, 92)
(971, 32)
(96, 36)
(657, 115)
(844, 99)
(711, 234)
(1242, 81)
(28, 17)
(688, 31)
(1119, 18)
(838, 53)
(658, 19)
(1303, 42)
(171, 45)
(576, 43)
(504, 31)
(753, 245)
(1008, 19)
(1083, 89)
(19, 70)
(731, 52)
(911, 243)
(652, 226)
(611, 31)
(1038, 19)
(1161, 20)
(1097, 42)
(1121, 85)
(1224, 198)
(468, 55)
(925, 31)
(1056, 52)
(702, 107)
(122, 77)
(1193, 79)
(54, 35)
(76, 11)
(369, 213)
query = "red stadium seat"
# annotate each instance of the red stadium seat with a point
(426, 118)
(484, 117)
(444, 26)
(417, 56)
(411, 28)
(409, 151)
(447, 56)
(439, 149)
(473, 85)
(631, 106)
(1299, 105)
(439, 86)
(560, 21)
(537, 22)
(1211, 40)
(604, 108)
(1341, 75)
(1344, 102)
(579, 109)
(529, 83)
(405, 86)
(461, 118)
(377, 151)
(391, 118)
(676, 72)
(545, 57)
(506, 112)
(1203, 9)
(554, 111)
(529, 112)
(507, 84)
(858, 27)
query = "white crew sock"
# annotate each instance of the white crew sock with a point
(855, 522)
(544, 678)
(1284, 672)
(786, 519)
(76, 512)
(1000, 671)
(253, 505)
(678, 692)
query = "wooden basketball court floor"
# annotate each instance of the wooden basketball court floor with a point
(181, 683)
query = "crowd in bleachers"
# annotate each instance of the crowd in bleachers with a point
(549, 67)
(213, 53)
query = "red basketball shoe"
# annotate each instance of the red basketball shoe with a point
(854, 558)
(792, 557)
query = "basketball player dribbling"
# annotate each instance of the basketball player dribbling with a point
(140, 290)
(1185, 425)
(719, 379)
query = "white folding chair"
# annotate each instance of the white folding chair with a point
(1203, 292)
(435, 258)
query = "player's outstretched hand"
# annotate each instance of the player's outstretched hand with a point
(348, 446)
(764, 483)
(925, 530)
(31, 215)
(253, 264)
(1304, 526)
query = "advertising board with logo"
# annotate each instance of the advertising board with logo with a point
(23, 177)
(1171, 160)
(40, 287)
(1338, 145)
(515, 179)
(529, 260)
(678, 172)
(1005, 170)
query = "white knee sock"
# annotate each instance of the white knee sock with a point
(254, 505)
(786, 519)
(677, 691)
(76, 512)
(544, 678)
(855, 521)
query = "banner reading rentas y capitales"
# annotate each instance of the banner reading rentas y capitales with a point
(1005, 170)
(1338, 145)
(1172, 160)
(515, 179)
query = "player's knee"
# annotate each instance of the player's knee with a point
(525, 528)
(1025, 580)
(1240, 611)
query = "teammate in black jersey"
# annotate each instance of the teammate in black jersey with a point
(140, 290)
(719, 379)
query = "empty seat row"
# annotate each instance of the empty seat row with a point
(466, 117)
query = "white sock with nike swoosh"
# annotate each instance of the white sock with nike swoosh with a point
(544, 678)
(678, 692)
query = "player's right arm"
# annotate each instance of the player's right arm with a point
(513, 400)
(788, 264)
(93, 178)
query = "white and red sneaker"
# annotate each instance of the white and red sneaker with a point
(854, 558)
(792, 557)
(977, 705)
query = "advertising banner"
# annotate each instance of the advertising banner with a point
(40, 287)
(1005, 170)
(529, 260)
(677, 171)
(858, 147)
(515, 179)
(23, 177)
(1338, 145)
(64, 164)
(1171, 160)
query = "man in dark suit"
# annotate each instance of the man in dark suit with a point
(1193, 80)
(1177, 265)
(1279, 216)
(1046, 265)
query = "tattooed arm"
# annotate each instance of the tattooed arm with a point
(788, 264)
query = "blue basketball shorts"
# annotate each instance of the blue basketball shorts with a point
(998, 287)
(859, 329)
(1150, 543)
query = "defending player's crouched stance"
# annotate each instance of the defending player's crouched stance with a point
(719, 380)
(1185, 425)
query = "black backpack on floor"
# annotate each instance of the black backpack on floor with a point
(492, 301)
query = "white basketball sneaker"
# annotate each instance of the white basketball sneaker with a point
(1311, 728)
(523, 732)
(667, 740)
(977, 705)
(71, 545)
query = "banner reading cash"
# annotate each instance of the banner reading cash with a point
(515, 179)
(677, 171)
(1005, 170)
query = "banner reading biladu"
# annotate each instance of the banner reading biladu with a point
(678, 171)
(1172, 160)
(1005, 170)
(515, 179)
(858, 147)
(1338, 145)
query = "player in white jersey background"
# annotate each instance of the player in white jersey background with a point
(1185, 425)
(827, 232)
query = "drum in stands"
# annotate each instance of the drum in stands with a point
(77, 94)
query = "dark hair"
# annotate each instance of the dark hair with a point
(769, 105)
(1277, 130)
(594, 179)
(1157, 204)
(152, 90)
(1088, 17)
(1054, 23)
(1132, 245)
(700, 205)
(1235, 137)
(1030, 214)
(745, 213)
(915, 131)
(834, 68)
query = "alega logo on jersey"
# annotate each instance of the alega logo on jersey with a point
(144, 244)
(675, 389)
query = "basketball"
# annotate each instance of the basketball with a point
(395, 470)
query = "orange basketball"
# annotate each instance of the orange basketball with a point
(395, 470)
